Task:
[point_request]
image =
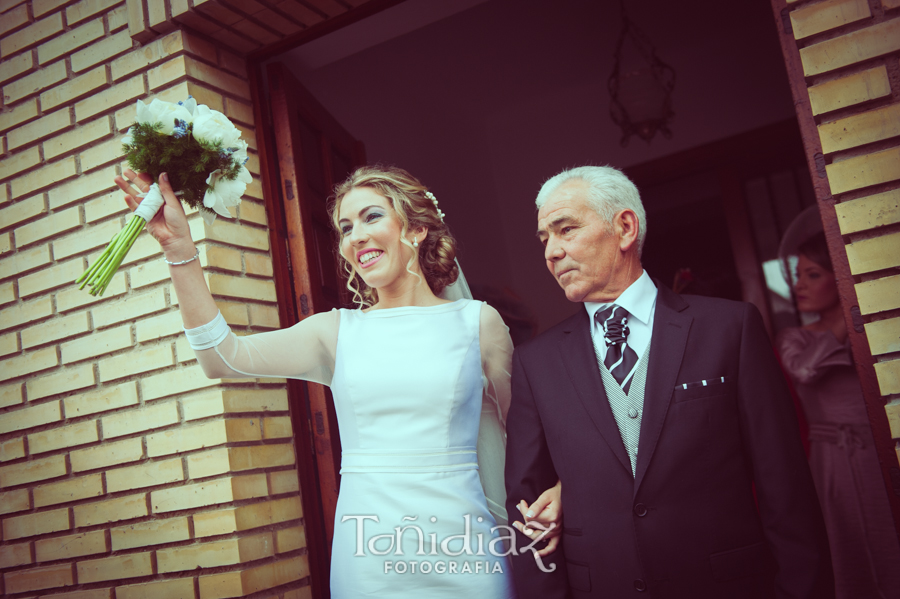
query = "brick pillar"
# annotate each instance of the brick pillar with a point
(124, 472)
(842, 64)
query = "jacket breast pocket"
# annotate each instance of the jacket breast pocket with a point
(708, 388)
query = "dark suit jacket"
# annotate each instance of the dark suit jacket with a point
(686, 525)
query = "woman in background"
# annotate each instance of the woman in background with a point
(864, 547)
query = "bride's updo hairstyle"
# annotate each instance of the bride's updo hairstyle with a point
(415, 207)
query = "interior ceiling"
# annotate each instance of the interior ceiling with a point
(388, 24)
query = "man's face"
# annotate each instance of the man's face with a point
(582, 251)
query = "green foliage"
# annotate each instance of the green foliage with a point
(187, 162)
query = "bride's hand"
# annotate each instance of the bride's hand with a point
(543, 517)
(169, 226)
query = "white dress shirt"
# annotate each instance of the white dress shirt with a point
(640, 301)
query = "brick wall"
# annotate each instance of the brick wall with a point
(124, 472)
(849, 90)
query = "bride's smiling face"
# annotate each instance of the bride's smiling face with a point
(370, 233)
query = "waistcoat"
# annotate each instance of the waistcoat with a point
(628, 409)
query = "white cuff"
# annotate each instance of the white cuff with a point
(210, 334)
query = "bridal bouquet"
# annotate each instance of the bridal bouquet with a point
(203, 155)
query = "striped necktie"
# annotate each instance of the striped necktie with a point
(620, 358)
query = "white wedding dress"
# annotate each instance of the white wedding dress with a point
(411, 386)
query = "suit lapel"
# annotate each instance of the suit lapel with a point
(671, 326)
(577, 351)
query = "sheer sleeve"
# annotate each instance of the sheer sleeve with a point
(303, 351)
(496, 361)
(807, 356)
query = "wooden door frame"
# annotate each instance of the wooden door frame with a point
(314, 276)
(318, 551)
(288, 310)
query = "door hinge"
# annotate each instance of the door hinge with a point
(289, 189)
(287, 254)
(819, 159)
(320, 424)
(859, 325)
(304, 304)
(786, 21)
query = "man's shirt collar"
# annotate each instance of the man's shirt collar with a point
(639, 299)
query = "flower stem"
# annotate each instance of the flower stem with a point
(99, 274)
(101, 259)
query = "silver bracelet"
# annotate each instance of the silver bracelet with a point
(197, 255)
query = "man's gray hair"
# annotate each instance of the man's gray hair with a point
(609, 191)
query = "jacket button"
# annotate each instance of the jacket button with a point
(640, 586)
(640, 510)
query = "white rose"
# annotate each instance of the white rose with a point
(190, 104)
(240, 154)
(224, 194)
(211, 127)
(245, 176)
(162, 112)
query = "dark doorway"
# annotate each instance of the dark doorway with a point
(690, 249)
(720, 210)
(486, 103)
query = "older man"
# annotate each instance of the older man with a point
(659, 414)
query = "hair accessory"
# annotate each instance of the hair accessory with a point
(196, 255)
(430, 196)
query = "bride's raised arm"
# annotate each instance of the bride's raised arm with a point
(304, 351)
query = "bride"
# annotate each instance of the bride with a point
(420, 384)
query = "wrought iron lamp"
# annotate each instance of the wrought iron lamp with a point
(640, 86)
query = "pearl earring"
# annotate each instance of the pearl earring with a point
(415, 242)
